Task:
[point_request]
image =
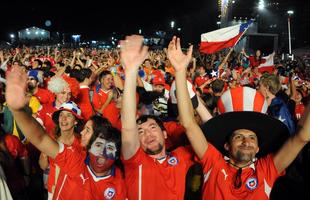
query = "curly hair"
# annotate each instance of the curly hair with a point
(58, 84)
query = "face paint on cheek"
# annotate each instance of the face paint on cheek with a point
(102, 155)
(110, 151)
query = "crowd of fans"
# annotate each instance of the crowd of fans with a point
(80, 123)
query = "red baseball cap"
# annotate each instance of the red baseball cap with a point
(158, 80)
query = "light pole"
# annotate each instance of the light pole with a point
(12, 36)
(290, 13)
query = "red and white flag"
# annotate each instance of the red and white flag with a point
(267, 65)
(222, 38)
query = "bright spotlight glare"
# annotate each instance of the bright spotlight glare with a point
(290, 12)
(261, 7)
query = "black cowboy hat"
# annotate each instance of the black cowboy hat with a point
(271, 132)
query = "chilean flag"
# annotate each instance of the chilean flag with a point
(268, 65)
(222, 38)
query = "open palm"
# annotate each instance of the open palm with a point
(133, 52)
(16, 89)
(178, 59)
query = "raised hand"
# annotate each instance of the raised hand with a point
(133, 52)
(16, 88)
(178, 59)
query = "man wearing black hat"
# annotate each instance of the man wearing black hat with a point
(238, 160)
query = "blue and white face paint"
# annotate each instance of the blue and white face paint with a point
(102, 154)
(102, 147)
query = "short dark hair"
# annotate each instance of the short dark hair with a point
(144, 118)
(103, 74)
(81, 75)
(217, 86)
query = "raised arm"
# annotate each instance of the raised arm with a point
(244, 53)
(118, 82)
(288, 152)
(202, 111)
(16, 100)
(225, 59)
(180, 61)
(133, 53)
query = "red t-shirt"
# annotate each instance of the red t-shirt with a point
(111, 112)
(157, 73)
(79, 182)
(52, 172)
(14, 174)
(148, 178)
(15, 147)
(44, 96)
(254, 62)
(257, 180)
(175, 135)
(83, 101)
(44, 116)
(299, 110)
(199, 80)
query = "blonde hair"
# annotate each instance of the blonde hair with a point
(272, 82)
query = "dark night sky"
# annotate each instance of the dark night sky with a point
(99, 19)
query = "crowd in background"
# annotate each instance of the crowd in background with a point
(95, 78)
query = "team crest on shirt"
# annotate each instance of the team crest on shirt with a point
(109, 193)
(173, 161)
(251, 183)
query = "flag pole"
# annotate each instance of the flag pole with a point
(243, 33)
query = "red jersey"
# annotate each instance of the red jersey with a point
(14, 174)
(147, 178)
(83, 101)
(257, 179)
(44, 96)
(254, 62)
(299, 110)
(15, 147)
(80, 182)
(175, 135)
(44, 117)
(111, 112)
(199, 80)
(52, 171)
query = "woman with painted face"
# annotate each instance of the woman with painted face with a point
(89, 174)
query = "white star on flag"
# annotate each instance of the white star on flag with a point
(281, 119)
(214, 73)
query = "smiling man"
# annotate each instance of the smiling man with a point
(150, 171)
(242, 151)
